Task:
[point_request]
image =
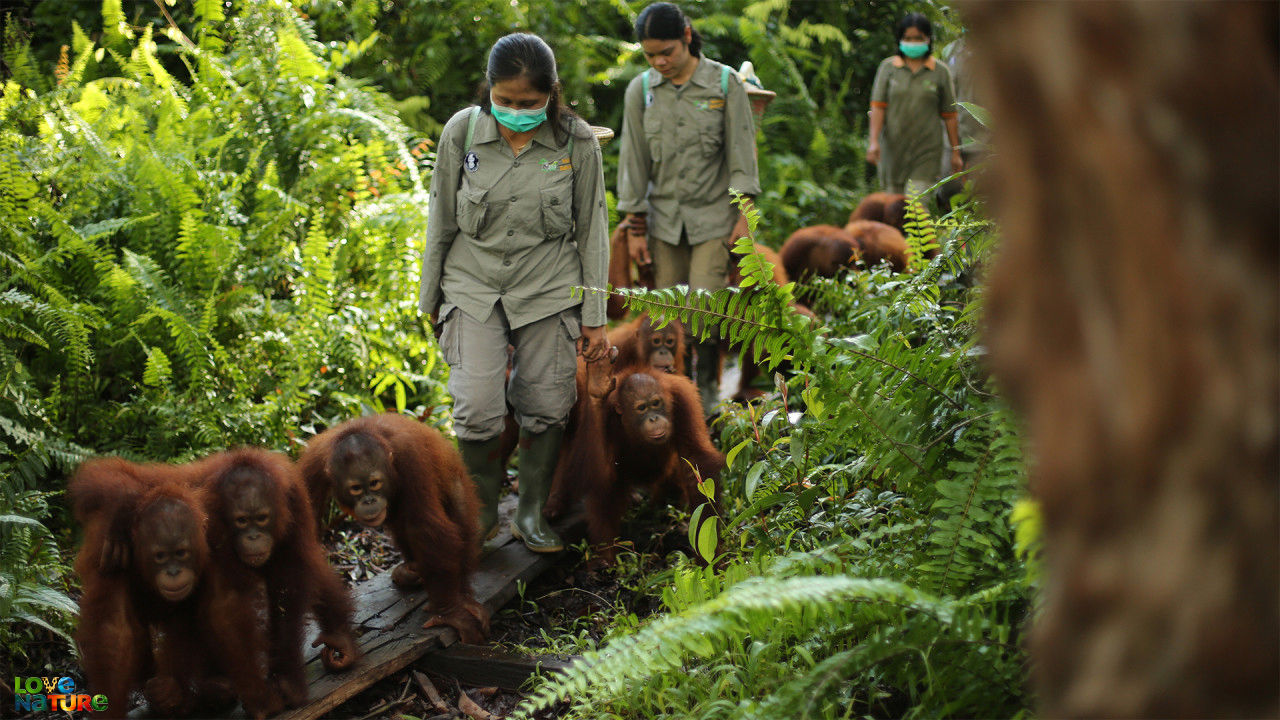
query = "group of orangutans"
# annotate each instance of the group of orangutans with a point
(872, 235)
(177, 561)
(198, 578)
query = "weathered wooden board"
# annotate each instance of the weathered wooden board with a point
(389, 620)
(483, 666)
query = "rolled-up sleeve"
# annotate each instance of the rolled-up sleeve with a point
(634, 162)
(591, 228)
(442, 221)
(880, 86)
(741, 139)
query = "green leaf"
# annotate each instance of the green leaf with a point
(38, 596)
(758, 506)
(36, 620)
(733, 452)
(20, 520)
(708, 539)
(693, 524)
(979, 113)
(753, 477)
(707, 486)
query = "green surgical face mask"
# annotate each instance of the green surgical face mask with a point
(913, 50)
(518, 120)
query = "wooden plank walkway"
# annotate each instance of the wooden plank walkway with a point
(389, 621)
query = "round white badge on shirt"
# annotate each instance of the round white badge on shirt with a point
(471, 162)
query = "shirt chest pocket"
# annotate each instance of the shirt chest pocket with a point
(471, 211)
(653, 134)
(709, 120)
(557, 205)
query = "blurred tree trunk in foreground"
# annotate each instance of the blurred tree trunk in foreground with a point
(1134, 320)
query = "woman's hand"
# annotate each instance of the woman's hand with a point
(873, 153)
(594, 343)
(637, 241)
(435, 322)
(957, 161)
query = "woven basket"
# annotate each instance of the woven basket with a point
(603, 134)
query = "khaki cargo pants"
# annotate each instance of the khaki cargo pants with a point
(704, 266)
(541, 388)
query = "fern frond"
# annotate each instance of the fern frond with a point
(971, 535)
(753, 606)
(296, 58)
(317, 271)
(920, 234)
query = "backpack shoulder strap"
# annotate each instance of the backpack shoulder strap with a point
(724, 80)
(471, 128)
(644, 80)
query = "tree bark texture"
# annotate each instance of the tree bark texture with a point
(1134, 318)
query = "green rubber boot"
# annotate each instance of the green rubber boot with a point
(485, 465)
(538, 455)
(706, 374)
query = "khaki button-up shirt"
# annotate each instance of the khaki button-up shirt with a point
(522, 231)
(680, 155)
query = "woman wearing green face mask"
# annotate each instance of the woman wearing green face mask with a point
(517, 218)
(912, 95)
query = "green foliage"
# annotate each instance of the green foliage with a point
(31, 574)
(226, 258)
(205, 242)
(870, 565)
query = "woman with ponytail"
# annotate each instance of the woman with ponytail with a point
(687, 137)
(517, 218)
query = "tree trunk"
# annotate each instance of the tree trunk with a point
(1134, 318)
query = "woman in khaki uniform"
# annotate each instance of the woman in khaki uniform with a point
(687, 137)
(517, 219)
(912, 100)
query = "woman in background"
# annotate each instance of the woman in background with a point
(912, 96)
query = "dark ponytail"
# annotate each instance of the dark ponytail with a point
(527, 55)
(665, 21)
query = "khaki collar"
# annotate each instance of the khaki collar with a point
(487, 131)
(704, 75)
(929, 62)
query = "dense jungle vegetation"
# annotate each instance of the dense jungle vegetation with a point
(211, 216)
